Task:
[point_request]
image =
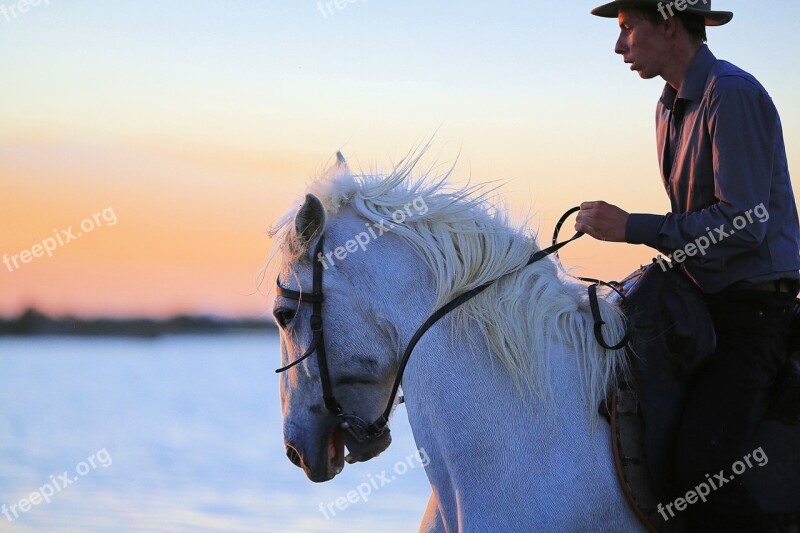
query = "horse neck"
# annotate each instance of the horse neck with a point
(478, 427)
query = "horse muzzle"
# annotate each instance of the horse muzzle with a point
(322, 458)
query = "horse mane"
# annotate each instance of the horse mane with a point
(466, 242)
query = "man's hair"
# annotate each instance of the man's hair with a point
(695, 24)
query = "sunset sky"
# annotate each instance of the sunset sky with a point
(197, 123)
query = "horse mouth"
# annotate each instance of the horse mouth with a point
(336, 451)
(337, 448)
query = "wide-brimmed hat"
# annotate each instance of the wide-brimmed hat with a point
(668, 8)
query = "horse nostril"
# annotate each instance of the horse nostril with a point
(293, 456)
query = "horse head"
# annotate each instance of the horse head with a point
(360, 310)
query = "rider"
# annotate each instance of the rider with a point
(723, 160)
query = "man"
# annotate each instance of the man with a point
(733, 229)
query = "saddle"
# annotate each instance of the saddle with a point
(672, 334)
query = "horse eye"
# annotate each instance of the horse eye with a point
(283, 316)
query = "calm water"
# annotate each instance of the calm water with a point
(176, 434)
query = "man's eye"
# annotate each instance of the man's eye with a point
(284, 316)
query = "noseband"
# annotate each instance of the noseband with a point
(358, 428)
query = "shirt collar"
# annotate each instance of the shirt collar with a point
(694, 81)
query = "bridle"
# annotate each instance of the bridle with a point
(358, 428)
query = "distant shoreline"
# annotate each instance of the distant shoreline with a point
(34, 323)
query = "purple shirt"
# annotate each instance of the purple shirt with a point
(723, 163)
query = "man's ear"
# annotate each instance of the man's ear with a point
(671, 26)
(310, 220)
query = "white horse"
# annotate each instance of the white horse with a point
(504, 401)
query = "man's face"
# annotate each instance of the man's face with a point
(642, 44)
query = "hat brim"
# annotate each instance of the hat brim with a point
(611, 10)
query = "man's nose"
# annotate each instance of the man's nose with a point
(620, 47)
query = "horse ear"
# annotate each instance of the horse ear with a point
(310, 219)
(341, 162)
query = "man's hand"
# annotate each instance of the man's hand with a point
(602, 221)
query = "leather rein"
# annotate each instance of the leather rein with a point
(358, 428)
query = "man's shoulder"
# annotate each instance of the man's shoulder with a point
(725, 77)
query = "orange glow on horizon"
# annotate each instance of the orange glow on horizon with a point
(192, 243)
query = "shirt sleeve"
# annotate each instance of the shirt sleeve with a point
(742, 125)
